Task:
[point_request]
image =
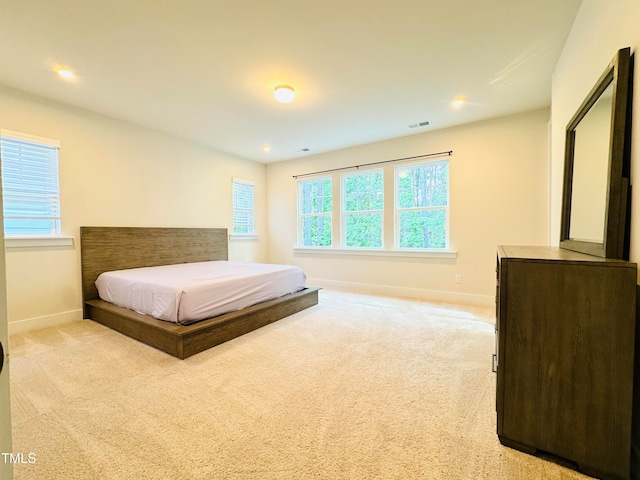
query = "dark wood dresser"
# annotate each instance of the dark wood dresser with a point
(565, 340)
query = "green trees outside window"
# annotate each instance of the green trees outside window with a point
(422, 197)
(315, 207)
(420, 208)
(363, 206)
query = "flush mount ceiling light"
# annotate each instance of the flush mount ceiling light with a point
(284, 93)
(266, 148)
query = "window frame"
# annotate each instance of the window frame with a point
(236, 208)
(301, 215)
(21, 237)
(344, 213)
(397, 210)
(390, 217)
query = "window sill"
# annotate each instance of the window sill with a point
(376, 253)
(238, 237)
(31, 242)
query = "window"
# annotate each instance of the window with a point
(31, 190)
(395, 210)
(422, 205)
(243, 207)
(314, 212)
(362, 209)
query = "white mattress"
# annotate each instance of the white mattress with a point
(189, 292)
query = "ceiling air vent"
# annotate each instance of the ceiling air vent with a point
(303, 150)
(420, 124)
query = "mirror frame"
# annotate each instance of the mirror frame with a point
(615, 242)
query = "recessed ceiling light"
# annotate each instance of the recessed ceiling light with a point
(458, 102)
(266, 148)
(284, 93)
(65, 73)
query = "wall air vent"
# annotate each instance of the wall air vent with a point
(420, 124)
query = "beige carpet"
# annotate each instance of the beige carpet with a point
(358, 387)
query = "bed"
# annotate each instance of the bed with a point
(106, 249)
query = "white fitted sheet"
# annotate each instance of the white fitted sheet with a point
(188, 292)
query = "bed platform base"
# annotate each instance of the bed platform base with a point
(183, 341)
(105, 249)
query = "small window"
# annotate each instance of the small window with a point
(243, 207)
(362, 209)
(315, 204)
(422, 205)
(31, 189)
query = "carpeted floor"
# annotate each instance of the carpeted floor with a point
(358, 387)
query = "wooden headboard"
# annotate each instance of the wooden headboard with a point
(115, 248)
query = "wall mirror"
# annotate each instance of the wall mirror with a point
(596, 166)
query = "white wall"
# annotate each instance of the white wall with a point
(498, 175)
(600, 29)
(116, 174)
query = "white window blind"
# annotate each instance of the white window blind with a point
(30, 185)
(243, 207)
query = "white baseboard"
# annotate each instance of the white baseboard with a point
(36, 323)
(433, 295)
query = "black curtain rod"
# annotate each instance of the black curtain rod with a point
(438, 154)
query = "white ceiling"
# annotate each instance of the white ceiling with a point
(205, 70)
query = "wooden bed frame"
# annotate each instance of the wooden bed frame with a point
(115, 248)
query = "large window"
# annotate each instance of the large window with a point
(422, 205)
(243, 207)
(31, 191)
(401, 207)
(362, 209)
(314, 212)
